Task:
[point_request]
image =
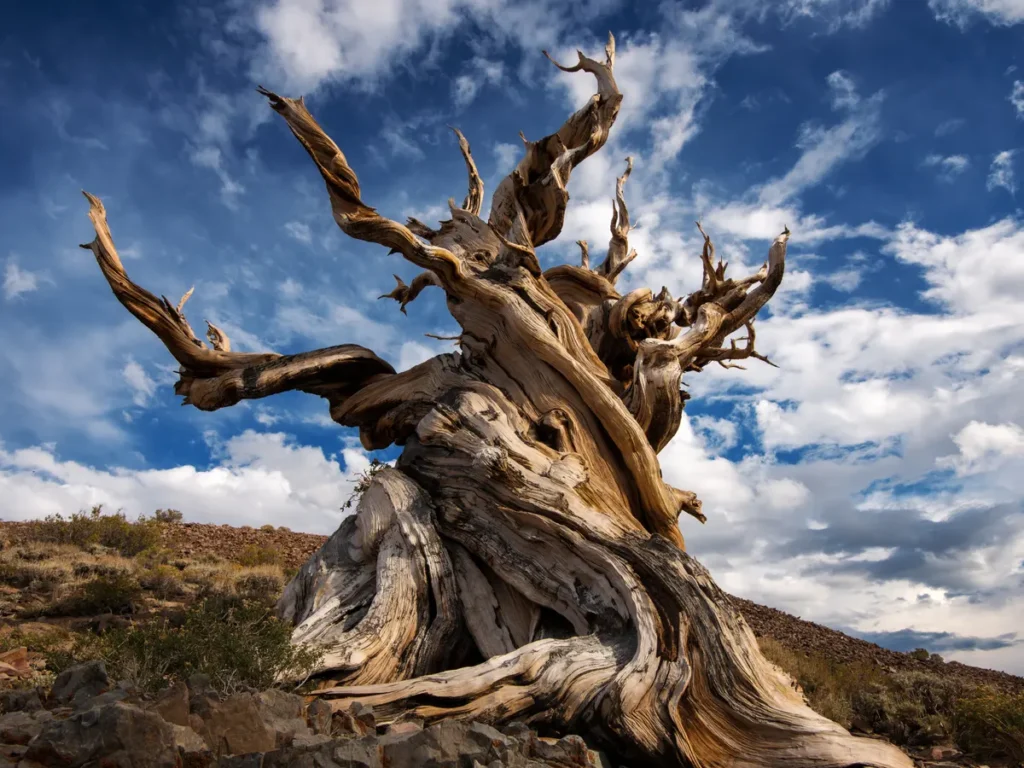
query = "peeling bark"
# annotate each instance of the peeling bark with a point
(523, 559)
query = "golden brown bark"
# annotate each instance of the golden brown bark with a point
(523, 558)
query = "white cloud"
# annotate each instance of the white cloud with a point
(212, 158)
(140, 382)
(949, 167)
(1001, 174)
(845, 280)
(312, 42)
(507, 155)
(258, 478)
(823, 149)
(983, 446)
(962, 12)
(1017, 98)
(300, 231)
(837, 13)
(18, 281)
(478, 73)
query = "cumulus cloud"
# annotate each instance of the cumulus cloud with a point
(257, 478)
(984, 446)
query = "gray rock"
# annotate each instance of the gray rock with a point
(76, 685)
(122, 735)
(319, 715)
(187, 740)
(448, 744)
(232, 725)
(172, 704)
(357, 720)
(282, 713)
(22, 727)
(343, 753)
(20, 701)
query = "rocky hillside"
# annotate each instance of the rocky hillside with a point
(147, 599)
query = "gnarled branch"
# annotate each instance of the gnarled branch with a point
(537, 184)
(217, 378)
(475, 197)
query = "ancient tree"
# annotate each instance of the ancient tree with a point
(523, 559)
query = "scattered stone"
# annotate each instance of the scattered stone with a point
(122, 735)
(20, 701)
(319, 716)
(186, 740)
(172, 705)
(76, 685)
(357, 720)
(282, 714)
(22, 727)
(232, 725)
(448, 743)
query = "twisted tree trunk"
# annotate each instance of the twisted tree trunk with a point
(523, 558)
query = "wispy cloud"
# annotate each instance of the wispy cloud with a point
(823, 149)
(963, 12)
(18, 281)
(1001, 174)
(1017, 98)
(948, 167)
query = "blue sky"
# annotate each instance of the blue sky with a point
(874, 482)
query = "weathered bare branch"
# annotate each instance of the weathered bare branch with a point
(537, 185)
(217, 378)
(404, 294)
(353, 216)
(619, 253)
(475, 197)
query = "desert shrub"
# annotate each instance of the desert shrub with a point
(268, 528)
(284, 529)
(115, 593)
(362, 483)
(238, 644)
(262, 586)
(921, 654)
(909, 708)
(990, 724)
(168, 516)
(254, 555)
(828, 686)
(163, 580)
(154, 557)
(85, 528)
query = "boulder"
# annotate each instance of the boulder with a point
(318, 716)
(232, 725)
(20, 701)
(282, 713)
(172, 704)
(22, 727)
(446, 744)
(122, 735)
(76, 685)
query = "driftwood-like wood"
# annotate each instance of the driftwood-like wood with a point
(523, 558)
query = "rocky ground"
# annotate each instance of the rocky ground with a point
(88, 720)
(83, 716)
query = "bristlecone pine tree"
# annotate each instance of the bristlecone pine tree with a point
(523, 560)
